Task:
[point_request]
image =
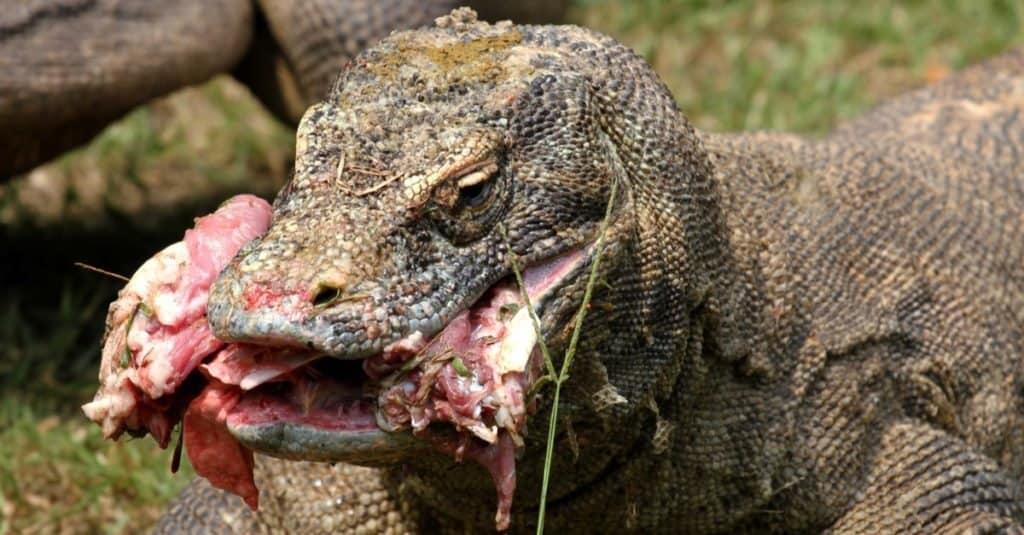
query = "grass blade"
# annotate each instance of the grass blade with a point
(570, 352)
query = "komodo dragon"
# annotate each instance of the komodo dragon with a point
(791, 334)
(70, 67)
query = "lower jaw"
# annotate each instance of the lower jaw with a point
(302, 442)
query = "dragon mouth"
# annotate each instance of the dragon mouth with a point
(462, 390)
(328, 394)
(472, 374)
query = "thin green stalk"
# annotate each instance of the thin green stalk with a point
(571, 352)
(567, 361)
(549, 452)
(560, 377)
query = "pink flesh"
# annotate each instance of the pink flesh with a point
(486, 407)
(157, 334)
(437, 392)
(214, 453)
(211, 244)
(500, 461)
(182, 347)
(247, 365)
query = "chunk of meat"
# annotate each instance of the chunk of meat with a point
(157, 334)
(214, 453)
(473, 375)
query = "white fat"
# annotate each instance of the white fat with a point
(517, 344)
(152, 280)
(283, 364)
(419, 418)
(158, 371)
(113, 404)
(412, 343)
(258, 377)
(487, 434)
(504, 418)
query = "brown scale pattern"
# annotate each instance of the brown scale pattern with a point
(801, 335)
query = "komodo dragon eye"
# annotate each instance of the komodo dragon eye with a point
(477, 187)
(471, 202)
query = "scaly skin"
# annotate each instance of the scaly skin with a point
(796, 335)
(70, 67)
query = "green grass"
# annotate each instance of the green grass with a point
(799, 65)
(58, 474)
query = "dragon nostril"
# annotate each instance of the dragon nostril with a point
(325, 295)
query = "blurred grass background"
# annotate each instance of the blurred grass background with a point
(799, 65)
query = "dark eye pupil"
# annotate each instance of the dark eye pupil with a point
(475, 195)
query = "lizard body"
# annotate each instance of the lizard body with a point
(795, 335)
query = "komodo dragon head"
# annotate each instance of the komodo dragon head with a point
(439, 158)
